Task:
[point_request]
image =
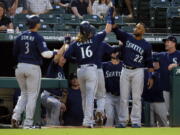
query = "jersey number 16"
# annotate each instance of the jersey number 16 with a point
(86, 52)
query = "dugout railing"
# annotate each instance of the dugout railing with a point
(174, 98)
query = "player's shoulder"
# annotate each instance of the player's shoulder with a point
(162, 53)
(74, 43)
(37, 35)
(21, 34)
(100, 33)
(107, 63)
(148, 45)
(177, 52)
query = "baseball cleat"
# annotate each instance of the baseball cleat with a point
(88, 125)
(120, 125)
(14, 123)
(135, 126)
(99, 119)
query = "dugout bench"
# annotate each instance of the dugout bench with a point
(11, 82)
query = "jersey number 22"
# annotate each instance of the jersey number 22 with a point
(138, 58)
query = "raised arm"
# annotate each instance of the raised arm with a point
(110, 20)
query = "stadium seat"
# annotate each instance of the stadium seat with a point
(71, 19)
(20, 18)
(58, 10)
(128, 28)
(46, 27)
(119, 20)
(176, 3)
(63, 27)
(49, 18)
(93, 19)
(173, 19)
(160, 3)
(21, 26)
(158, 12)
(143, 10)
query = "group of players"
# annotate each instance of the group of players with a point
(110, 82)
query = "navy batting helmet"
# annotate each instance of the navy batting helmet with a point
(32, 21)
(86, 29)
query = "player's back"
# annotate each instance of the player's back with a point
(85, 52)
(29, 46)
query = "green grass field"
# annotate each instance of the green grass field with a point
(94, 131)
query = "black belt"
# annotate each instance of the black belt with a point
(128, 67)
(87, 65)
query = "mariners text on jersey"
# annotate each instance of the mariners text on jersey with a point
(112, 74)
(134, 47)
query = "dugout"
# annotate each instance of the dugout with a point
(54, 40)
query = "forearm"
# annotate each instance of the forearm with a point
(110, 20)
(10, 26)
(2, 28)
(75, 11)
(89, 9)
(48, 54)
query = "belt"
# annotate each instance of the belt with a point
(86, 65)
(128, 67)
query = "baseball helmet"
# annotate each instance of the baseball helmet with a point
(86, 28)
(32, 21)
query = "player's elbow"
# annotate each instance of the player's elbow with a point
(47, 54)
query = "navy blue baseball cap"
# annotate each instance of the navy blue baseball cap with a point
(32, 20)
(170, 38)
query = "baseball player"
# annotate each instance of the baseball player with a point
(168, 60)
(85, 49)
(74, 113)
(136, 56)
(154, 96)
(51, 97)
(29, 48)
(104, 48)
(112, 72)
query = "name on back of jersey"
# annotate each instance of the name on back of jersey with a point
(27, 37)
(85, 43)
(135, 47)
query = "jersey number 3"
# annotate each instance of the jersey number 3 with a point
(27, 47)
(86, 52)
(138, 58)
